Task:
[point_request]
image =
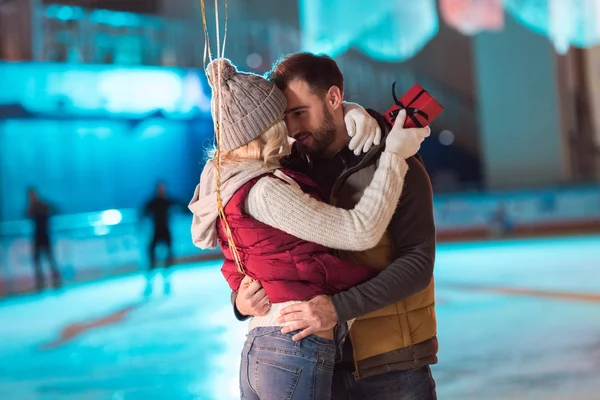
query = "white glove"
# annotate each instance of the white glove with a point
(362, 128)
(405, 142)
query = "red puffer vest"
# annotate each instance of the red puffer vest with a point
(287, 267)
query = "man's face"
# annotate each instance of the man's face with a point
(308, 119)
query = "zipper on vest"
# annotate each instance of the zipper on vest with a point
(349, 171)
(333, 199)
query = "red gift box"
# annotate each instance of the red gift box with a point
(421, 107)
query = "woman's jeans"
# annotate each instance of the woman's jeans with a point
(274, 367)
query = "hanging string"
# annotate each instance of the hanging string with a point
(225, 27)
(206, 37)
(218, 119)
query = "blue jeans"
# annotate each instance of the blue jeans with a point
(274, 367)
(412, 384)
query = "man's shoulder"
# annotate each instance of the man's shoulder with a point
(383, 124)
(416, 161)
(417, 184)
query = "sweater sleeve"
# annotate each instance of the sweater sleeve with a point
(288, 208)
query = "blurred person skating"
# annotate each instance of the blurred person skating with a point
(40, 212)
(158, 209)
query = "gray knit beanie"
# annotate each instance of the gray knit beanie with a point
(250, 104)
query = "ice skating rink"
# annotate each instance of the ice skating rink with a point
(517, 320)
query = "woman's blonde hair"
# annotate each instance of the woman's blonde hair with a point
(268, 148)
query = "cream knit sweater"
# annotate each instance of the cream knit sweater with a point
(286, 207)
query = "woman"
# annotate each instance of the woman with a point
(282, 231)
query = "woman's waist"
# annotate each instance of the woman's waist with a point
(271, 317)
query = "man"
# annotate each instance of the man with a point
(158, 209)
(40, 213)
(393, 339)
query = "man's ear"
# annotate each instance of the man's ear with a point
(334, 98)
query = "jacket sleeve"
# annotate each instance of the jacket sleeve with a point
(412, 232)
(238, 315)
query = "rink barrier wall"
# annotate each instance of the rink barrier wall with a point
(94, 246)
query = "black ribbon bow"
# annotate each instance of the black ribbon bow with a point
(411, 112)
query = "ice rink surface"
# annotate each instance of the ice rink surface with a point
(516, 320)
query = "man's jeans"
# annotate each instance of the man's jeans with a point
(413, 384)
(274, 367)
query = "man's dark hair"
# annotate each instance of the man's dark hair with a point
(318, 70)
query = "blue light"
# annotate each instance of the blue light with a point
(111, 217)
(117, 18)
(152, 130)
(99, 131)
(65, 13)
(101, 230)
(51, 11)
(390, 31)
(140, 90)
(92, 89)
(193, 95)
(565, 23)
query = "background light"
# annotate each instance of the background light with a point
(111, 217)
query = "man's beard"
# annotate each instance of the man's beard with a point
(323, 136)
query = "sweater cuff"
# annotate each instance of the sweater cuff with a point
(393, 162)
(344, 314)
(238, 315)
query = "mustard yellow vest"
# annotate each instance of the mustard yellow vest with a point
(398, 325)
